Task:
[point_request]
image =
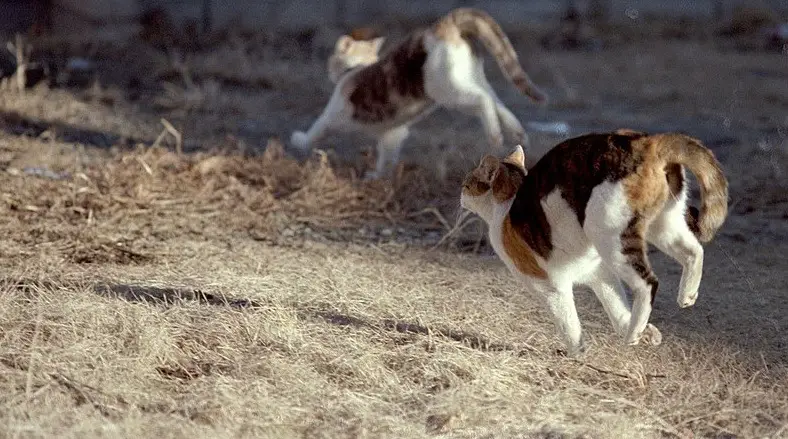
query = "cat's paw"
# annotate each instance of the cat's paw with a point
(686, 300)
(651, 335)
(575, 350)
(300, 141)
(633, 338)
(578, 351)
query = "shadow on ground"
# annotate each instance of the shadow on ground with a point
(19, 125)
(315, 311)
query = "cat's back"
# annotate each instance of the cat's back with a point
(589, 160)
(376, 91)
(573, 169)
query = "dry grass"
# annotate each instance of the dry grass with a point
(224, 293)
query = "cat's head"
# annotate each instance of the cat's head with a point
(350, 52)
(493, 182)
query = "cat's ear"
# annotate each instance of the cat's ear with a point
(517, 158)
(488, 169)
(343, 44)
(377, 43)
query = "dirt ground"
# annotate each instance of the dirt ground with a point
(230, 290)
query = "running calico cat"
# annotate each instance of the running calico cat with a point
(584, 214)
(384, 96)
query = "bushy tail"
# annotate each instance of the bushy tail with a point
(478, 23)
(687, 151)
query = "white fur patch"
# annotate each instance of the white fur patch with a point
(453, 78)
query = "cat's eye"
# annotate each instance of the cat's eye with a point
(475, 187)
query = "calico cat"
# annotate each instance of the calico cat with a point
(585, 213)
(384, 96)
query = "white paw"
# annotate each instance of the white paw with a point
(579, 349)
(299, 140)
(687, 300)
(651, 335)
(633, 337)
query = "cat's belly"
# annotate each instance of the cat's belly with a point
(406, 114)
(579, 268)
(573, 256)
(576, 265)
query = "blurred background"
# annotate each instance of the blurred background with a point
(74, 15)
(210, 75)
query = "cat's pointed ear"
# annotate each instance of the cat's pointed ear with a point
(488, 169)
(343, 44)
(517, 158)
(377, 43)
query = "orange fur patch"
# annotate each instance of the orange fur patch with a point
(629, 132)
(522, 255)
(364, 33)
(447, 31)
(647, 188)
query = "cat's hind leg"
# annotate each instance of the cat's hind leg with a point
(671, 234)
(611, 294)
(473, 99)
(461, 91)
(619, 236)
(388, 149)
(508, 120)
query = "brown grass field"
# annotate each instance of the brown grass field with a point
(224, 292)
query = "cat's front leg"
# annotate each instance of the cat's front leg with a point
(300, 141)
(561, 303)
(303, 142)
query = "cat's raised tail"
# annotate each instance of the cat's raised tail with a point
(479, 24)
(690, 152)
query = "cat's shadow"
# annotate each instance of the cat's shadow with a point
(700, 324)
(404, 331)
